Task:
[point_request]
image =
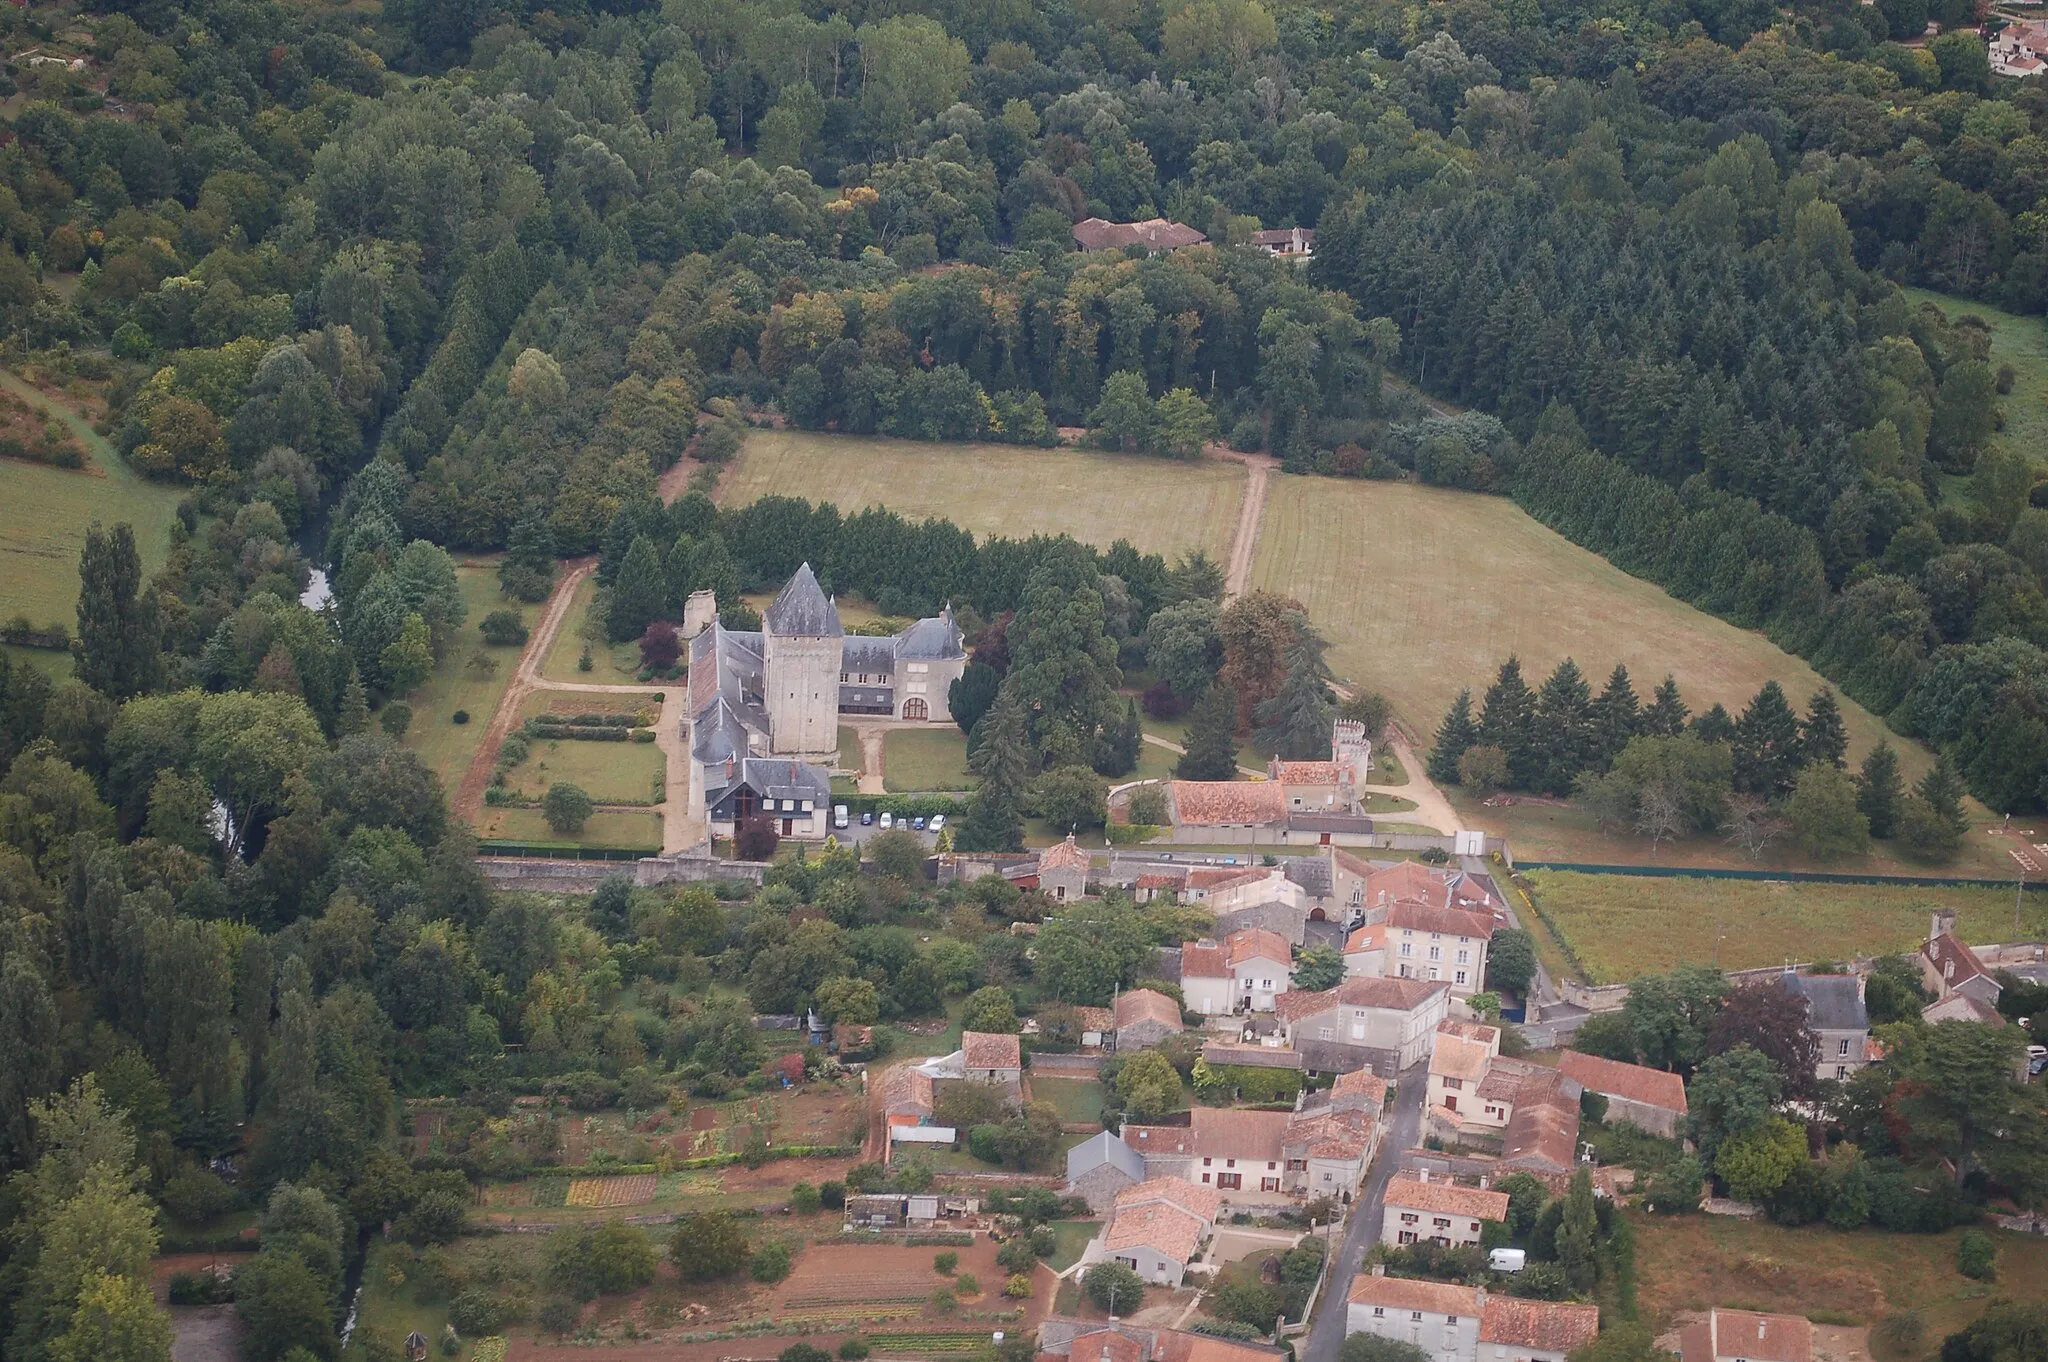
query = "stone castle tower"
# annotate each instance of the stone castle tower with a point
(802, 641)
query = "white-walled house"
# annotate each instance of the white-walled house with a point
(1423, 1210)
(1469, 1324)
(1157, 1227)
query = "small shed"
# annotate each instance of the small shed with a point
(415, 1347)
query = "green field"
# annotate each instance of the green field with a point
(2021, 342)
(609, 772)
(925, 759)
(1079, 1099)
(1424, 590)
(1623, 926)
(611, 664)
(44, 513)
(1160, 506)
(443, 744)
(628, 828)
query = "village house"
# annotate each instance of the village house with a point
(1467, 1323)
(1298, 242)
(1425, 941)
(1462, 1058)
(1063, 871)
(1419, 1210)
(1143, 1018)
(1365, 951)
(1236, 1152)
(1367, 891)
(1649, 1099)
(1098, 1026)
(1100, 1167)
(1542, 1137)
(1118, 1340)
(1260, 898)
(1385, 1025)
(1836, 1016)
(1157, 1227)
(991, 1058)
(1253, 1157)
(1746, 1336)
(1247, 972)
(1963, 988)
(1334, 1134)
(1206, 984)
(1154, 234)
(907, 1111)
(1481, 1098)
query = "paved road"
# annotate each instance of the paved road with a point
(1326, 1332)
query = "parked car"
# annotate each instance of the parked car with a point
(917, 823)
(867, 817)
(888, 821)
(838, 815)
(938, 822)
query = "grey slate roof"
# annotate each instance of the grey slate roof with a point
(1102, 1148)
(718, 734)
(936, 639)
(802, 610)
(1832, 1002)
(1312, 873)
(781, 778)
(865, 654)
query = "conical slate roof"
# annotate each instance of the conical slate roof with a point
(802, 610)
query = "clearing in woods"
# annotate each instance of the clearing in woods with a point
(2020, 342)
(44, 512)
(1424, 590)
(1160, 505)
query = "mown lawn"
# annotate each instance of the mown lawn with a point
(1623, 926)
(458, 685)
(925, 759)
(1691, 1262)
(1159, 505)
(631, 829)
(611, 664)
(1071, 1237)
(609, 772)
(1079, 1100)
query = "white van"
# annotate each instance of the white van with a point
(838, 815)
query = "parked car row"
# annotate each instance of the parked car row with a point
(840, 819)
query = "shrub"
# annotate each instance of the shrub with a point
(771, 1263)
(854, 1349)
(193, 1196)
(1017, 1255)
(755, 839)
(661, 647)
(945, 1302)
(560, 1315)
(584, 662)
(460, 716)
(832, 1195)
(945, 1263)
(1018, 1287)
(200, 1288)
(477, 1311)
(503, 628)
(803, 1352)
(968, 1284)
(803, 1198)
(395, 718)
(1114, 1287)
(1977, 1256)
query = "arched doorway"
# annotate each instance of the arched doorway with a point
(915, 708)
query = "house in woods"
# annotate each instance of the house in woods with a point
(1468, 1323)
(1423, 1210)
(1157, 1227)
(1063, 871)
(1154, 234)
(1746, 1336)
(1964, 988)
(1143, 1018)
(1385, 1025)
(1649, 1099)
(1100, 1167)
(991, 1058)
(1836, 1016)
(1293, 242)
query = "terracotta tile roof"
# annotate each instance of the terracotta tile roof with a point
(1401, 995)
(1305, 772)
(1469, 1029)
(1544, 1130)
(1216, 876)
(1144, 1004)
(1402, 1293)
(1401, 880)
(983, 1050)
(1425, 917)
(1164, 1228)
(1204, 960)
(1328, 1134)
(1174, 1346)
(1362, 1084)
(1154, 234)
(1226, 1133)
(1256, 943)
(1506, 1080)
(1547, 1325)
(1631, 1082)
(1251, 1056)
(1064, 856)
(1956, 963)
(1105, 1347)
(1747, 1334)
(1096, 1018)
(908, 1092)
(1446, 1198)
(1205, 1202)
(1160, 1141)
(1456, 1057)
(1162, 879)
(1368, 938)
(1234, 877)
(1208, 803)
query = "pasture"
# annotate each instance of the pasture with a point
(1159, 505)
(1424, 590)
(44, 512)
(1623, 926)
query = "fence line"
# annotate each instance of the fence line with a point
(1668, 872)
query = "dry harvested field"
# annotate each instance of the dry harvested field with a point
(1424, 590)
(1160, 506)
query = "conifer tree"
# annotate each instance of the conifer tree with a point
(1879, 789)
(1666, 716)
(1822, 738)
(1563, 728)
(1212, 737)
(528, 571)
(1578, 1234)
(1295, 721)
(1615, 717)
(1119, 744)
(1507, 720)
(1002, 763)
(1943, 791)
(355, 707)
(639, 594)
(1453, 736)
(120, 634)
(713, 569)
(1767, 751)
(1714, 725)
